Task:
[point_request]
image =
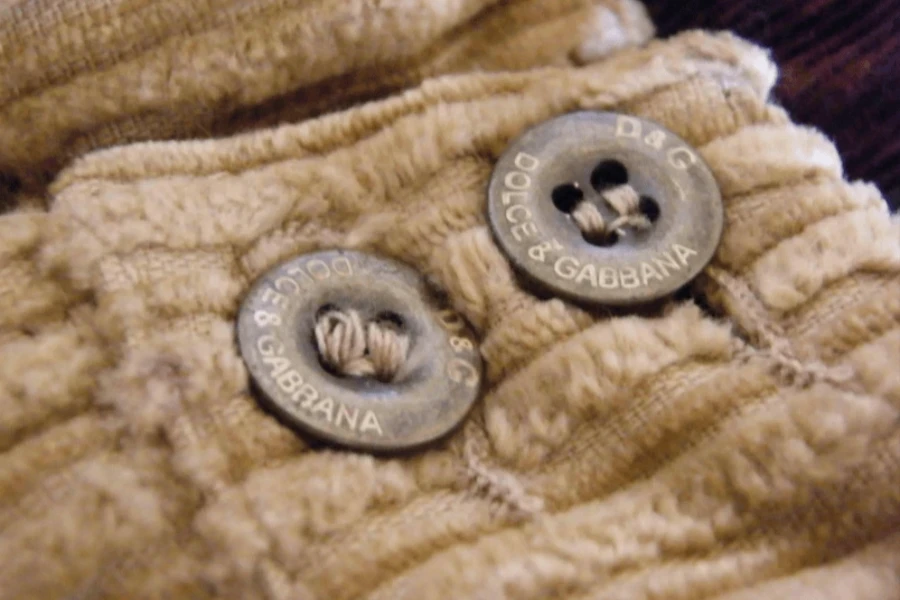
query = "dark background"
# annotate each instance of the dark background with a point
(838, 69)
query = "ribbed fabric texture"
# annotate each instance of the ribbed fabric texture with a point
(86, 74)
(688, 453)
(839, 65)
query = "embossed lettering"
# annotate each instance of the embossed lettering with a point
(342, 266)
(461, 371)
(627, 127)
(287, 282)
(370, 422)
(315, 269)
(526, 162)
(461, 344)
(655, 139)
(264, 318)
(629, 278)
(512, 210)
(664, 261)
(608, 278)
(587, 274)
(517, 180)
(318, 269)
(517, 214)
(528, 229)
(450, 320)
(289, 381)
(268, 345)
(298, 271)
(508, 197)
(276, 364)
(681, 158)
(565, 266)
(326, 408)
(343, 414)
(683, 253)
(271, 296)
(593, 275)
(648, 273)
(539, 251)
(309, 395)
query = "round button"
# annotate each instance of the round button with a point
(605, 208)
(358, 350)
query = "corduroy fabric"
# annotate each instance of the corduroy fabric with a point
(86, 74)
(839, 69)
(612, 456)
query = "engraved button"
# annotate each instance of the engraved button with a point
(358, 350)
(605, 208)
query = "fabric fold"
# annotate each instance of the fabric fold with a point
(663, 454)
(89, 75)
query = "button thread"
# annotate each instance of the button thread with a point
(352, 348)
(625, 200)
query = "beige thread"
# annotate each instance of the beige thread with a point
(625, 200)
(355, 349)
(496, 484)
(777, 346)
(683, 490)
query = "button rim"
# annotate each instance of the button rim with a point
(532, 271)
(437, 415)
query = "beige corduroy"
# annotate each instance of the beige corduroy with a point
(85, 74)
(740, 443)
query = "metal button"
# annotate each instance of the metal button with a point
(605, 208)
(357, 350)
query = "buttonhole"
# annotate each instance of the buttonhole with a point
(607, 174)
(389, 317)
(324, 310)
(604, 239)
(649, 208)
(566, 197)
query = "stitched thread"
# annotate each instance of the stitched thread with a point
(776, 345)
(625, 200)
(496, 484)
(356, 349)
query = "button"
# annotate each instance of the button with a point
(358, 350)
(605, 208)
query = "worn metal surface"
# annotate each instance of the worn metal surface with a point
(544, 244)
(434, 391)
